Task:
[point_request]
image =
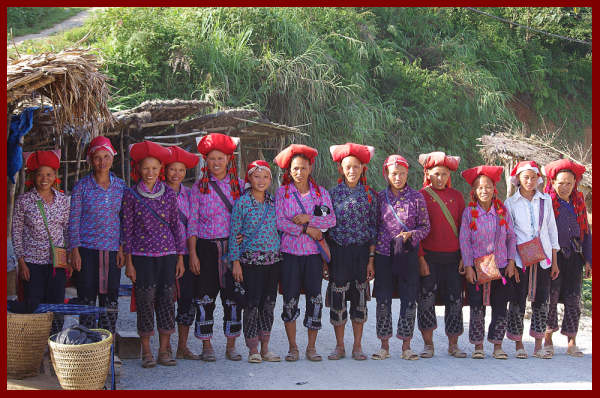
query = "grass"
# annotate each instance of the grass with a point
(31, 20)
(586, 297)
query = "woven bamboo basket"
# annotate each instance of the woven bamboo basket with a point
(82, 367)
(26, 339)
(11, 278)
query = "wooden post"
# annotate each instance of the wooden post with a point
(127, 177)
(10, 206)
(122, 157)
(21, 180)
(510, 188)
(77, 158)
(66, 166)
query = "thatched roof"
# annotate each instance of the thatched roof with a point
(70, 80)
(509, 150)
(217, 122)
(261, 130)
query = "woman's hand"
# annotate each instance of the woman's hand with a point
(179, 268)
(194, 264)
(237, 271)
(371, 269)
(588, 271)
(461, 267)
(554, 271)
(511, 270)
(75, 260)
(471, 275)
(405, 235)
(23, 269)
(423, 267)
(314, 233)
(129, 269)
(301, 219)
(239, 239)
(325, 271)
(120, 257)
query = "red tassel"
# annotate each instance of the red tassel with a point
(474, 213)
(473, 226)
(503, 222)
(472, 204)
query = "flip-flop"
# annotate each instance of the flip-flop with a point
(311, 355)
(456, 352)
(381, 354)
(574, 352)
(358, 354)
(270, 357)
(478, 354)
(410, 355)
(500, 354)
(427, 352)
(254, 358)
(543, 354)
(186, 354)
(521, 354)
(232, 354)
(208, 355)
(337, 354)
(148, 363)
(292, 357)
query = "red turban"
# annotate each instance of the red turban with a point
(551, 169)
(523, 166)
(220, 142)
(33, 160)
(145, 149)
(493, 172)
(393, 160)
(363, 153)
(284, 158)
(252, 167)
(434, 159)
(181, 155)
(99, 143)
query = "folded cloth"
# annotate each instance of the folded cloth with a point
(398, 250)
(23, 307)
(77, 335)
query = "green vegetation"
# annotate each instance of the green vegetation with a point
(406, 80)
(30, 20)
(586, 296)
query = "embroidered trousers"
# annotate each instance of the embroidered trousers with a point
(566, 289)
(186, 302)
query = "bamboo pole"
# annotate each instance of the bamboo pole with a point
(122, 156)
(77, 157)
(66, 166)
(127, 176)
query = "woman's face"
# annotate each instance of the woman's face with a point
(101, 161)
(438, 176)
(484, 189)
(175, 173)
(217, 163)
(260, 180)
(351, 168)
(563, 184)
(397, 176)
(300, 169)
(528, 180)
(44, 177)
(150, 170)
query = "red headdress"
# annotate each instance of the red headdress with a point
(252, 167)
(551, 170)
(146, 149)
(33, 160)
(393, 160)
(182, 156)
(434, 159)
(227, 145)
(284, 160)
(494, 173)
(521, 167)
(363, 153)
(99, 143)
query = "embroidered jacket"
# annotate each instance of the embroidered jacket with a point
(94, 221)
(293, 240)
(29, 234)
(481, 242)
(567, 226)
(356, 221)
(184, 197)
(412, 210)
(143, 233)
(264, 248)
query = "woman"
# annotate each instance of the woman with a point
(486, 229)
(575, 254)
(303, 208)
(176, 167)
(526, 207)
(94, 233)
(440, 260)
(257, 261)
(402, 222)
(153, 247)
(352, 242)
(32, 234)
(213, 198)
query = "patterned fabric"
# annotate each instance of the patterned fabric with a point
(539, 307)
(521, 211)
(209, 217)
(184, 198)
(412, 210)
(481, 242)
(264, 247)
(186, 301)
(293, 240)
(94, 221)
(143, 234)
(566, 289)
(497, 326)
(29, 234)
(356, 222)
(567, 226)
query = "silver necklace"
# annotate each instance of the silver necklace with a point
(151, 195)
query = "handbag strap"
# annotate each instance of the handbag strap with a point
(182, 218)
(255, 231)
(540, 217)
(138, 197)
(387, 198)
(444, 209)
(41, 206)
(345, 201)
(224, 199)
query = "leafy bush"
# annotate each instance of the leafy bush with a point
(27, 20)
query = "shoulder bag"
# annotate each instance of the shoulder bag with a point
(444, 209)
(532, 252)
(322, 245)
(59, 254)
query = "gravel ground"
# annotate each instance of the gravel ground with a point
(439, 372)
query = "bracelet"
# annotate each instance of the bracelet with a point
(371, 255)
(304, 228)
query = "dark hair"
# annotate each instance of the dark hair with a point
(287, 180)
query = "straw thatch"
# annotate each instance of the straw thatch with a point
(70, 80)
(225, 120)
(261, 130)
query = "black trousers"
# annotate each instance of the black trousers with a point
(566, 289)
(48, 287)
(186, 302)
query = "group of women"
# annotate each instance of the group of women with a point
(230, 237)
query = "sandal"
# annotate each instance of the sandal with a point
(478, 354)
(186, 354)
(338, 353)
(254, 358)
(292, 357)
(381, 354)
(311, 355)
(550, 349)
(500, 354)
(270, 357)
(456, 352)
(574, 352)
(543, 354)
(358, 354)
(521, 354)
(208, 355)
(148, 363)
(168, 361)
(232, 354)
(410, 355)
(427, 352)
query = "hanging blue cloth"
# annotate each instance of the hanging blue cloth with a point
(19, 126)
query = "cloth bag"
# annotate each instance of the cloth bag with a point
(59, 254)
